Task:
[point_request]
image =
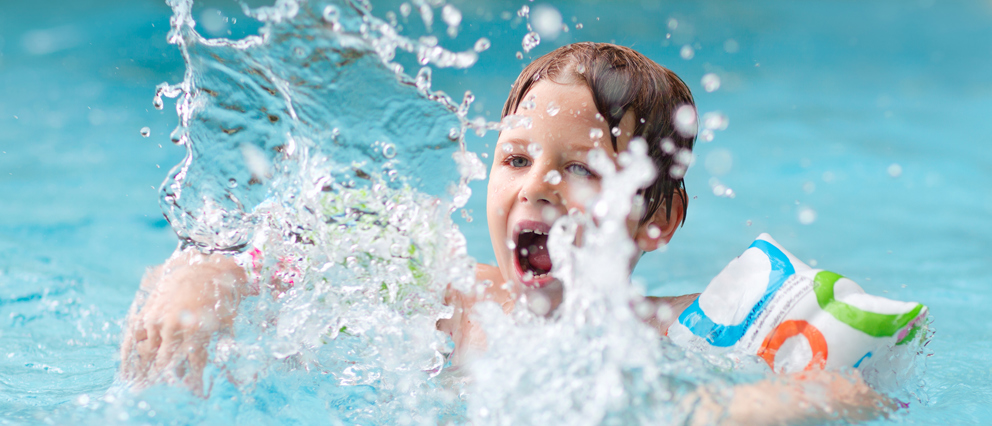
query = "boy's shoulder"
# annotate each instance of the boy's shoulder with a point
(486, 272)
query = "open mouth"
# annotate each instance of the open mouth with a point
(532, 257)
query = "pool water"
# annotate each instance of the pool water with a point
(855, 138)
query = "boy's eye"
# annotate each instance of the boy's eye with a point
(518, 162)
(579, 170)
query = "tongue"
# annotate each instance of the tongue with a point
(539, 258)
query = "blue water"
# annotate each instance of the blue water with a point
(829, 94)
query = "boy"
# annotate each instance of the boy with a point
(579, 98)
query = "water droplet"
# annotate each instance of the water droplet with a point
(553, 108)
(451, 15)
(711, 82)
(538, 303)
(731, 46)
(894, 170)
(405, 9)
(157, 102)
(510, 244)
(715, 120)
(531, 40)
(524, 11)
(677, 171)
(331, 13)
(581, 69)
(685, 120)
(748, 223)
(553, 177)
(706, 135)
(146, 132)
(595, 133)
(687, 52)
(482, 45)
(550, 214)
(809, 187)
(547, 21)
(507, 148)
(528, 104)
(601, 209)
(667, 146)
(653, 232)
(807, 215)
(719, 162)
(615, 131)
(664, 312)
(685, 157)
(233, 183)
(389, 150)
(534, 150)
(520, 55)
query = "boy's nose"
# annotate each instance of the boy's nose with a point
(540, 190)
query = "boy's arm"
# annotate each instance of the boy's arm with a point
(811, 397)
(179, 308)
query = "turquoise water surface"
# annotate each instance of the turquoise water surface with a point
(858, 137)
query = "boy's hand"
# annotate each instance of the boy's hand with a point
(185, 302)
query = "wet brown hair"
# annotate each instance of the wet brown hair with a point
(622, 80)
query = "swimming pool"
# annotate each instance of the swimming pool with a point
(869, 116)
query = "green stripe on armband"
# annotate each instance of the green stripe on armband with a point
(871, 323)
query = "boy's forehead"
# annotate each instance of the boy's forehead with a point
(562, 111)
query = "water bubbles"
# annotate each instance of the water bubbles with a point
(595, 133)
(581, 69)
(510, 244)
(146, 132)
(706, 135)
(894, 170)
(721, 190)
(405, 9)
(677, 171)
(507, 148)
(685, 120)
(547, 21)
(232, 182)
(687, 52)
(534, 150)
(710, 82)
(578, 26)
(806, 215)
(530, 41)
(552, 177)
(673, 24)
(519, 55)
(685, 157)
(524, 11)
(482, 45)
(157, 102)
(213, 21)
(809, 187)
(715, 120)
(552, 108)
(389, 150)
(615, 131)
(719, 162)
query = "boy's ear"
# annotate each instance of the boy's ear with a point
(665, 225)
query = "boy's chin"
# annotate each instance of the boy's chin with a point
(544, 300)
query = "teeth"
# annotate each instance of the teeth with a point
(534, 231)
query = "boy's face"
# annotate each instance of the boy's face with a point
(542, 172)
